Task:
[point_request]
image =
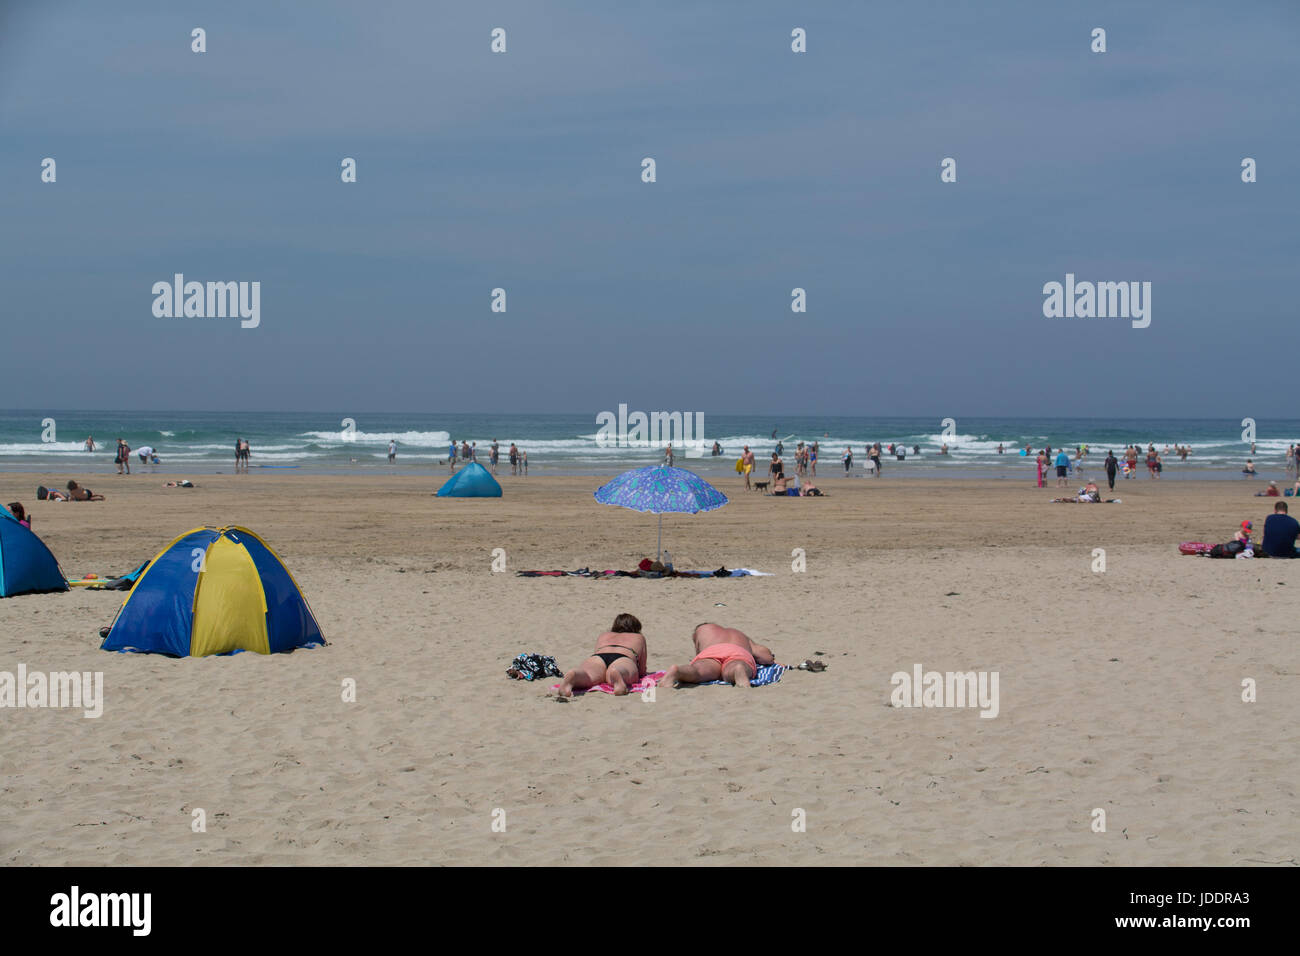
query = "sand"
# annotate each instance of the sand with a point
(1119, 690)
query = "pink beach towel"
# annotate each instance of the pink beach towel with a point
(650, 680)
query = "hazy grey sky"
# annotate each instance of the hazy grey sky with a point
(775, 170)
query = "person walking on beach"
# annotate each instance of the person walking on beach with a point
(847, 458)
(1131, 457)
(494, 455)
(775, 468)
(451, 457)
(1112, 466)
(721, 653)
(514, 459)
(747, 466)
(668, 455)
(1041, 463)
(123, 457)
(874, 453)
(523, 460)
(392, 452)
(1062, 468)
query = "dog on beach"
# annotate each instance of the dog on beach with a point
(761, 485)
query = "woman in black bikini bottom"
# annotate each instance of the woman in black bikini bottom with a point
(618, 664)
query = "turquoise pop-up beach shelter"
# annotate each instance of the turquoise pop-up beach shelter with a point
(474, 481)
(26, 564)
(214, 591)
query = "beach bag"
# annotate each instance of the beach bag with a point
(1228, 550)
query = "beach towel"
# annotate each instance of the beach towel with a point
(645, 683)
(603, 575)
(767, 674)
(1195, 547)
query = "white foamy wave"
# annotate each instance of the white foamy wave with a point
(336, 437)
(43, 448)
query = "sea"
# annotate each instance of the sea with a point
(52, 443)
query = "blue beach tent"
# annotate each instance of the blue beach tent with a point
(474, 481)
(214, 591)
(26, 565)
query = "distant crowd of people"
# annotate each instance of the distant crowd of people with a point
(468, 452)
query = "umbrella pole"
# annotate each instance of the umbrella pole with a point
(659, 542)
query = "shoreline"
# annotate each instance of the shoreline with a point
(954, 470)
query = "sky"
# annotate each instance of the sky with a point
(775, 170)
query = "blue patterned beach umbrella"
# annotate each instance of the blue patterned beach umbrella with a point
(659, 490)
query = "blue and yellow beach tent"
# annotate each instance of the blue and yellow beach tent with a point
(26, 564)
(474, 481)
(214, 591)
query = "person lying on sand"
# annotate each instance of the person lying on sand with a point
(721, 653)
(782, 487)
(78, 493)
(1088, 494)
(183, 483)
(619, 660)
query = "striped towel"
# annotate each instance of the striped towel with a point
(650, 680)
(767, 674)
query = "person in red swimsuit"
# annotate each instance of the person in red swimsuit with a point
(721, 653)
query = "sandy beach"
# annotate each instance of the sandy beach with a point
(1119, 690)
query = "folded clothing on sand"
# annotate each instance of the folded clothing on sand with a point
(645, 683)
(533, 666)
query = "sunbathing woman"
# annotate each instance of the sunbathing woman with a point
(619, 660)
(78, 493)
